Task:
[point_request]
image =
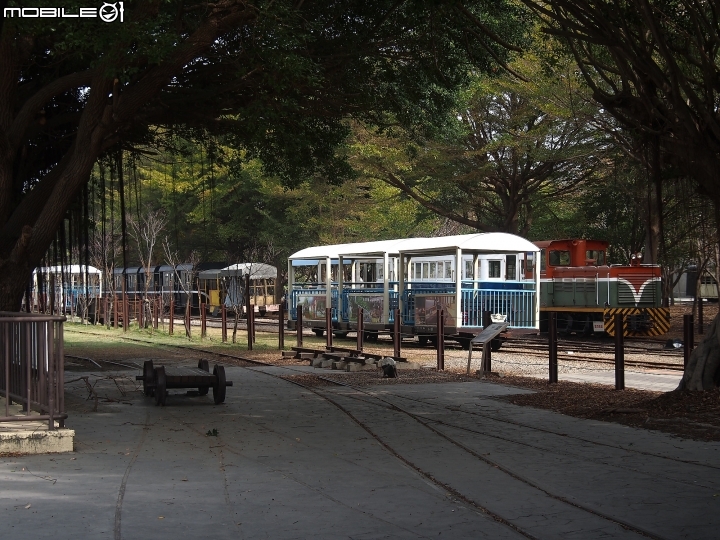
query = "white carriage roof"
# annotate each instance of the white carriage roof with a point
(479, 243)
(473, 243)
(354, 250)
(255, 269)
(68, 269)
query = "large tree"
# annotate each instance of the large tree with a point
(654, 66)
(521, 137)
(279, 76)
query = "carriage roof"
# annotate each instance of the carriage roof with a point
(479, 243)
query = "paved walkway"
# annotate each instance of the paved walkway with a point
(405, 461)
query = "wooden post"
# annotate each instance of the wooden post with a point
(299, 326)
(140, 312)
(171, 321)
(252, 318)
(619, 353)
(440, 338)
(126, 313)
(156, 311)
(223, 319)
(281, 327)
(688, 338)
(397, 338)
(250, 327)
(552, 338)
(115, 311)
(328, 328)
(700, 314)
(203, 321)
(487, 348)
(360, 329)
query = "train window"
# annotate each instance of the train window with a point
(432, 270)
(594, 258)
(425, 267)
(418, 270)
(468, 269)
(543, 261)
(510, 267)
(559, 258)
(448, 269)
(493, 269)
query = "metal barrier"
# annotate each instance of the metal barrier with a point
(32, 367)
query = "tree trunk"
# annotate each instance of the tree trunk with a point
(703, 369)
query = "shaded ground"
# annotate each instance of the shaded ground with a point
(685, 414)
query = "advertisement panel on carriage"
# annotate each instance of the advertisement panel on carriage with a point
(372, 304)
(428, 306)
(312, 306)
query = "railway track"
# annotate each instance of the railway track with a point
(393, 403)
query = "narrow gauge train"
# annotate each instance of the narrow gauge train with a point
(463, 275)
(577, 283)
(68, 286)
(212, 284)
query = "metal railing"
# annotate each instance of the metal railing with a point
(32, 367)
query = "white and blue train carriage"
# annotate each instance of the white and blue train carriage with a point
(497, 274)
(466, 275)
(367, 279)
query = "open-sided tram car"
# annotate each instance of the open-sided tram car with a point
(463, 275)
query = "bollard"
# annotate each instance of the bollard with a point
(253, 324)
(700, 315)
(619, 352)
(440, 340)
(360, 329)
(281, 327)
(396, 332)
(299, 326)
(203, 321)
(223, 322)
(688, 338)
(249, 318)
(487, 348)
(552, 343)
(171, 321)
(328, 328)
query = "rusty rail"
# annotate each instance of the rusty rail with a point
(32, 367)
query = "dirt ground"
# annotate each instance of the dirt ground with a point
(710, 311)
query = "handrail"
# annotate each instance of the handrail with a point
(32, 366)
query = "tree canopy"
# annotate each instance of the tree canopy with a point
(277, 76)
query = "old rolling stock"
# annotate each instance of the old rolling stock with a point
(577, 283)
(462, 275)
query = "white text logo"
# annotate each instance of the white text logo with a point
(107, 13)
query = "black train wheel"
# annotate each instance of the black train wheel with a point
(219, 386)
(148, 378)
(205, 366)
(160, 386)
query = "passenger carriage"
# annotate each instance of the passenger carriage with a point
(419, 276)
(71, 285)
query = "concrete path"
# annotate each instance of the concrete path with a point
(408, 461)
